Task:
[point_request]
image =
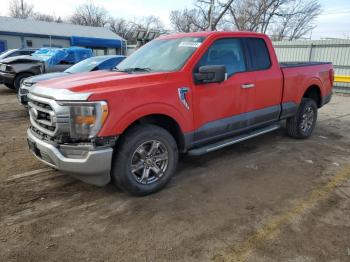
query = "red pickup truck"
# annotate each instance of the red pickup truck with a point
(190, 93)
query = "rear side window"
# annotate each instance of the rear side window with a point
(259, 54)
(227, 52)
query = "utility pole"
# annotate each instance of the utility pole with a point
(210, 28)
(22, 9)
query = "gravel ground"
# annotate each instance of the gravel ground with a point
(272, 198)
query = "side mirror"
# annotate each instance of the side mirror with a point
(211, 74)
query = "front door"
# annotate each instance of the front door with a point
(220, 109)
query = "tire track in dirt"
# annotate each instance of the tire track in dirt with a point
(10, 116)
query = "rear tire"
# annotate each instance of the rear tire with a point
(303, 123)
(18, 80)
(145, 160)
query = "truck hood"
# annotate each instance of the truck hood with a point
(20, 59)
(102, 81)
(35, 79)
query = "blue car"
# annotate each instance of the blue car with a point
(107, 62)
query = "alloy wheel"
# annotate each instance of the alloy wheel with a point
(149, 162)
(307, 119)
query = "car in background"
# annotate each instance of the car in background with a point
(17, 52)
(107, 62)
(14, 70)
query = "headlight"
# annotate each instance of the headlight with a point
(5, 68)
(26, 83)
(86, 118)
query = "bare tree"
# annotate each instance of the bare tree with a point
(207, 15)
(296, 20)
(187, 20)
(121, 27)
(149, 23)
(213, 11)
(89, 14)
(125, 28)
(20, 9)
(47, 18)
(254, 15)
(288, 19)
(283, 19)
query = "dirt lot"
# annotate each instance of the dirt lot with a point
(272, 198)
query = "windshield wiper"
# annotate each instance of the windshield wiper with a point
(134, 69)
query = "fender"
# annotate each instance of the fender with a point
(114, 127)
(314, 81)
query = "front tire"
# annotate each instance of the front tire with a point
(145, 160)
(19, 79)
(303, 123)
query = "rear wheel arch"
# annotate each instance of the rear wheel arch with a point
(314, 92)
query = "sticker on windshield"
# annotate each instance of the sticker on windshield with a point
(190, 44)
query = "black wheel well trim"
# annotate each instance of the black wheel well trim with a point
(314, 92)
(166, 122)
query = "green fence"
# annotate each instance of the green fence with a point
(335, 51)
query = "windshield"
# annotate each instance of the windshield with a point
(86, 65)
(162, 55)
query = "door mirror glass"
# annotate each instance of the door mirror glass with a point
(211, 74)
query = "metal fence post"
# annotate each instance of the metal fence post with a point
(310, 52)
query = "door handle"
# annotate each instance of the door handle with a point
(246, 86)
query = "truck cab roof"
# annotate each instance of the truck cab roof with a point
(213, 33)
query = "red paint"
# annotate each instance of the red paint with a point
(132, 96)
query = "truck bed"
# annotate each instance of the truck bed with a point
(301, 64)
(296, 79)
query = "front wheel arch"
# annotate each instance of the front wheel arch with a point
(19, 78)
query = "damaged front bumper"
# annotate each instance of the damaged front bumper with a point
(85, 162)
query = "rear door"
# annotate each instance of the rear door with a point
(219, 108)
(268, 81)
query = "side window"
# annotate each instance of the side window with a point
(227, 52)
(29, 52)
(25, 53)
(107, 65)
(29, 43)
(259, 54)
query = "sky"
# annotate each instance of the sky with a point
(333, 22)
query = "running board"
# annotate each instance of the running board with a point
(218, 145)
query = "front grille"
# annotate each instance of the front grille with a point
(42, 105)
(47, 116)
(42, 115)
